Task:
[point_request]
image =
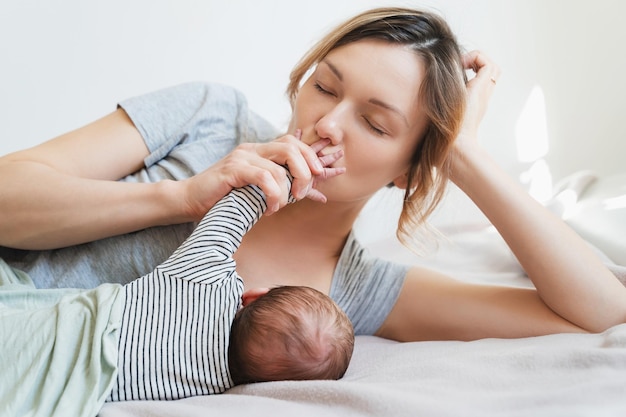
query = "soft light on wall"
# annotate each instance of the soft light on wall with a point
(532, 143)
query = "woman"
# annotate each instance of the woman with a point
(388, 91)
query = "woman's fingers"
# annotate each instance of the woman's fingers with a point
(483, 67)
(480, 87)
(479, 90)
(271, 179)
(265, 165)
(301, 160)
(237, 169)
(316, 166)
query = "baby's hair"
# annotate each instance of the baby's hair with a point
(290, 333)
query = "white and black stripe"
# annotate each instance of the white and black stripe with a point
(176, 323)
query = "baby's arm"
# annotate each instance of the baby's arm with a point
(220, 232)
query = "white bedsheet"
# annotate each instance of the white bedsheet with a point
(557, 375)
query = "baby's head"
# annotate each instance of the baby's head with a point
(290, 333)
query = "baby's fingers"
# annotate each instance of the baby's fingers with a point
(331, 172)
(319, 145)
(316, 195)
(329, 159)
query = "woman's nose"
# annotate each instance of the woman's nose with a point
(329, 127)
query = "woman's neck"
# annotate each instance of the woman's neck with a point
(312, 225)
(298, 245)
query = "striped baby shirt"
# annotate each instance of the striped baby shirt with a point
(176, 321)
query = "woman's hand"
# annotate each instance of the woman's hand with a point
(263, 165)
(479, 90)
(570, 279)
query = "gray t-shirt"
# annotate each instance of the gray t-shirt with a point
(187, 128)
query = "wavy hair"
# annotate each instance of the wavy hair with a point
(442, 95)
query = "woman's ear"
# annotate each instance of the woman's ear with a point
(252, 294)
(402, 181)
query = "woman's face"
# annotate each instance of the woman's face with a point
(364, 98)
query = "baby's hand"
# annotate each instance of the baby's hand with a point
(327, 171)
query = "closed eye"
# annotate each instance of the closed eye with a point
(377, 131)
(373, 128)
(322, 90)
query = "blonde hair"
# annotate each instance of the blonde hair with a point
(442, 93)
(290, 333)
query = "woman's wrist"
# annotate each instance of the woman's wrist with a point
(171, 204)
(190, 199)
(465, 164)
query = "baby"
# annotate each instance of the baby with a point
(171, 327)
(291, 333)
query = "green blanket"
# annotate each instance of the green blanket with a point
(59, 347)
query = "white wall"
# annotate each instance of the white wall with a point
(67, 62)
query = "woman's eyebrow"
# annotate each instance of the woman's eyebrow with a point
(390, 107)
(334, 69)
(373, 101)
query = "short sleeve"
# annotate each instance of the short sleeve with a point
(366, 287)
(191, 126)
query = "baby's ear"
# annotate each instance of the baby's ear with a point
(252, 294)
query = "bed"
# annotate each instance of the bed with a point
(556, 375)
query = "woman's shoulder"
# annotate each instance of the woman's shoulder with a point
(366, 287)
(198, 109)
(193, 124)
(356, 259)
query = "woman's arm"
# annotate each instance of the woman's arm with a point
(433, 306)
(65, 191)
(570, 279)
(574, 292)
(60, 192)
